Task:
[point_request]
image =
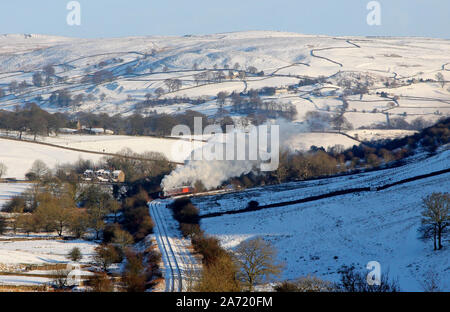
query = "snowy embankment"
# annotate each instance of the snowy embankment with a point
(298, 190)
(320, 236)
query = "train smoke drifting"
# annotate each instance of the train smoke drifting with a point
(228, 155)
(211, 173)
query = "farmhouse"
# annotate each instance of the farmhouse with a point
(233, 74)
(281, 91)
(85, 130)
(96, 131)
(102, 175)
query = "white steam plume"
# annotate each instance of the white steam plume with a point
(212, 173)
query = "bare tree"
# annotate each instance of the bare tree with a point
(193, 275)
(256, 259)
(38, 170)
(105, 256)
(352, 280)
(101, 283)
(432, 282)
(218, 276)
(221, 98)
(435, 217)
(13, 85)
(178, 84)
(75, 254)
(318, 121)
(3, 169)
(306, 284)
(340, 123)
(37, 79)
(197, 78)
(49, 70)
(3, 225)
(173, 84)
(219, 76)
(169, 84)
(61, 279)
(252, 69)
(160, 91)
(440, 78)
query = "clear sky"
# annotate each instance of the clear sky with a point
(117, 18)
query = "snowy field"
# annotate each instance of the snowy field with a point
(319, 237)
(21, 258)
(379, 226)
(19, 156)
(116, 143)
(35, 251)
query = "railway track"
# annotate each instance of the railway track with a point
(174, 278)
(181, 266)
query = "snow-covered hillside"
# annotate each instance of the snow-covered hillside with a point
(318, 237)
(303, 189)
(140, 65)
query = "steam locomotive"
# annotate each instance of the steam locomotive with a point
(184, 190)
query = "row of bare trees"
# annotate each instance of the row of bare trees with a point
(31, 118)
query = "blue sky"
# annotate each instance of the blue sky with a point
(117, 18)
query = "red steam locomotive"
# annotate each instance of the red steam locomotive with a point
(183, 190)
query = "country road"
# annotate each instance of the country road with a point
(180, 266)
